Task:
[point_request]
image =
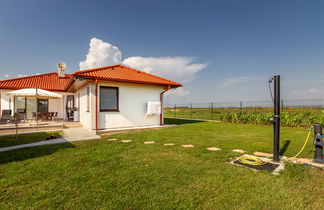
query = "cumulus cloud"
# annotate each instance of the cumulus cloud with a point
(180, 69)
(178, 92)
(21, 75)
(8, 76)
(101, 54)
(307, 91)
(234, 80)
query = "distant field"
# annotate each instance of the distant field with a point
(292, 116)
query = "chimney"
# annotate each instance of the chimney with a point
(61, 68)
(61, 73)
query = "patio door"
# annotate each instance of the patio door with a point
(31, 106)
(43, 105)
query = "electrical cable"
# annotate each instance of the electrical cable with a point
(270, 91)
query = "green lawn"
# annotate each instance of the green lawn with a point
(11, 140)
(114, 175)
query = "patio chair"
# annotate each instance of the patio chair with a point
(22, 114)
(6, 116)
(50, 115)
(55, 116)
(34, 116)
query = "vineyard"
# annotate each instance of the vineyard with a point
(291, 116)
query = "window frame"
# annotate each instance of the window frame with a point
(117, 95)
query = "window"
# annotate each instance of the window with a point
(109, 99)
(88, 99)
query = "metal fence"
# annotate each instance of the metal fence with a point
(213, 110)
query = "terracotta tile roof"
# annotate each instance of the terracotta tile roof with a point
(122, 73)
(50, 82)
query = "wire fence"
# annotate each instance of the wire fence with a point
(214, 110)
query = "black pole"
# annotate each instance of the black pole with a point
(276, 118)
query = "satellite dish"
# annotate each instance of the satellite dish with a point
(61, 66)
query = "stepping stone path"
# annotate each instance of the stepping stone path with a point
(112, 139)
(169, 144)
(126, 141)
(213, 148)
(238, 151)
(262, 154)
(188, 145)
(149, 142)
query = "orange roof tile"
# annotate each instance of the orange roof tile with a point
(122, 73)
(50, 82)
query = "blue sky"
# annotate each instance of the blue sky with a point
(238, 44)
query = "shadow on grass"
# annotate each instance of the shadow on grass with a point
(284, 148)
(180, 121)
(31, 152)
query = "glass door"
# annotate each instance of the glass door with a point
(43, 105)
(31, 106)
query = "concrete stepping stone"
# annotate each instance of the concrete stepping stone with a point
(126, 141)
(112, 139)
(213, 148)
(149, 142)
(238, 150)
(306, 161)
(188, 145)
(169, 144)
(262, 154)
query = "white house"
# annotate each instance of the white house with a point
(108, 97)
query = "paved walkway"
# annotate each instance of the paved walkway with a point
(35, 144)
(71, 134)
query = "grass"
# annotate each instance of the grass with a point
(114, 175)
(10, 140)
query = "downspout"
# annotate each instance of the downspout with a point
(161, 101)
(96, 97)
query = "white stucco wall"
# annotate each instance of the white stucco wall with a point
(133, 100)
(87, 118)
(5, 99)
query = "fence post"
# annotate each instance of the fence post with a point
(241, 106)
(175, 110)
(212, 111)
(191, 111)
(282, 105)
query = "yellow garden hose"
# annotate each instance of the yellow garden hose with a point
(249, 160)
(309, 133)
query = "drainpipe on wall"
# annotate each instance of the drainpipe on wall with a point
(161, 101)
(96, 96)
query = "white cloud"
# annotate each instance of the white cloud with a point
(6, 76)
(101, 54)
(178, 92)
(234, 80)
(180, 69)
(306, 92)
(21, 75)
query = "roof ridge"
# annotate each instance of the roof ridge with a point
(151, 74)
(96, 69)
